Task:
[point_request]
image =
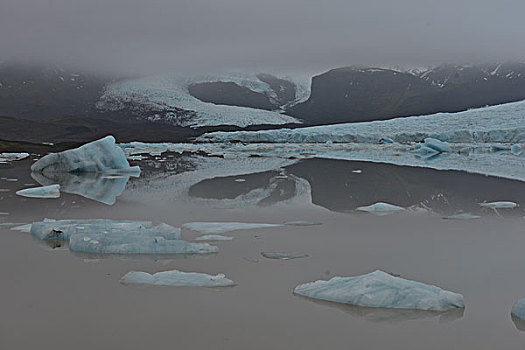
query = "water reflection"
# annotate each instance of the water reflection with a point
(101, 187)
(384, 315)
(343, 186)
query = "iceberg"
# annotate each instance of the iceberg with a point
(139, 242)
(499, 205)
(382, 290)
(10, 157)
(381, 208)
(213, 238)
(221, 227)
(51, 191)
(98, 156)
(518, 310)
(62, 230)
(283, 255)
(177, 278)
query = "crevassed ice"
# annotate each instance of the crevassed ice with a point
(380, 289)
(98, 156)
(162, 93)
(502, 123)
(221, 227)
(51, 191)
(177, 278)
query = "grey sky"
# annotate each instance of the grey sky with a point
(146, 35)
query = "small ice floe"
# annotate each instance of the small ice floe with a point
(221, 227)
(518, 310)
(515, 149)
(240, 180)
(462, 216)
(213, 238)
(381, 208)
(98, 156)
(51, 191)
(302, 223)
(499, 205)
(382, 290)
(22, 228)
(357, 171)
(177, 278)
(10, 157)
(283, 255)
(386, 140)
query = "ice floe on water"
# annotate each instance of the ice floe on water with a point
(213, 238)
(499, 205)
(302, 223)
(283, 255)
(462, 216)
(98, 156)
(100, 236)
(381, 208)
(51, 191)
(96, 186)
(221, 227)
(10, 157)
(382, 290)
(177, 278)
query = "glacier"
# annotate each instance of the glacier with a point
(51, 191)
(381, 208)
(98, 156)
(496, 124)
(166, 93)
(221, 227)
(382, 290)
(177, 278)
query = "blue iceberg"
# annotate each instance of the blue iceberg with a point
(177, 278)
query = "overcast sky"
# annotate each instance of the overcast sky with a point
(187, 35)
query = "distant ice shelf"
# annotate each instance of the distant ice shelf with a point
(382, 290)
(177, 278)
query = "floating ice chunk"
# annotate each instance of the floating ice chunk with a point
(221, 227)
(213, 238)
(283, 255)
(381, 208)
(62, 230)
(96, 186)
(9, 157)
(357, 171)
(177, 278)
(386, 140)
(518, 310)
(162, 239)
(499, 205)
(98, 156)
(437, 145)
(380, 289)
(302, 223)
(240, 180)
(515, 149)
(22, 228)
(462, 216)
(51, 191)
